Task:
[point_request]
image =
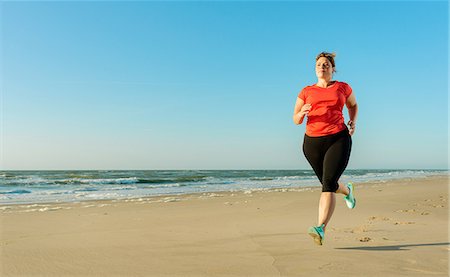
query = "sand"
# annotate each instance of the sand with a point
(399, 228)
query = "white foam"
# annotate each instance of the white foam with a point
(49, 209)
(171, 199)
(130, 180)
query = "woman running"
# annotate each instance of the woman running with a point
(327, 143)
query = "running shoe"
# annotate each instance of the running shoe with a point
(350, 199)
(317, 233)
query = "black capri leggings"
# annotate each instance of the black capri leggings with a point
(328, 156)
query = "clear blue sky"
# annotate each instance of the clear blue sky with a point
(212, 85)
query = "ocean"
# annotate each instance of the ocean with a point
(29, 187)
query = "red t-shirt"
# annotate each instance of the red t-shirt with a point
(325, 116)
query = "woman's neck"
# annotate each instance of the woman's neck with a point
(324, 83)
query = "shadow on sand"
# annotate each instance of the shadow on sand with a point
(401, 247)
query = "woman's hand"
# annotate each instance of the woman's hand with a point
(352, 107)
(305, 109)
(301, 109)
(351, 127)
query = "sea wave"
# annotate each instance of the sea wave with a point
(17, 191)
(47, 186)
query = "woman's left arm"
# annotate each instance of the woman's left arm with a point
(352, 107)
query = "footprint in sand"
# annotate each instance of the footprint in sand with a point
(413, 211)
(404, 223)
(332, 267)
(360, 229)
(365, 239)
(406, 211)
(379, 218)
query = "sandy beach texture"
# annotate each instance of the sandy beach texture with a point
(399, 228)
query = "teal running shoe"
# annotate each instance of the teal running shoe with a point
(317, 233)
(350, 199)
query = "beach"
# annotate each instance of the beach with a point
(398, 228)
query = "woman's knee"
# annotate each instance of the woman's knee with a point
(329, 185)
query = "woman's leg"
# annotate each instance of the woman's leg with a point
(343, 189)
(335, 161)
(327, 203)
(313, 149)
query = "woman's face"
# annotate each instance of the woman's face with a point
(324, 68)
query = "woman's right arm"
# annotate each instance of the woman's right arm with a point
(301, 109)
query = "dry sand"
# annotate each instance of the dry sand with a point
(399, 228)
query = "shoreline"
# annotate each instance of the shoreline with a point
(398, 228)
(221, 193)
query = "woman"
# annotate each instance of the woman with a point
(327, 142)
